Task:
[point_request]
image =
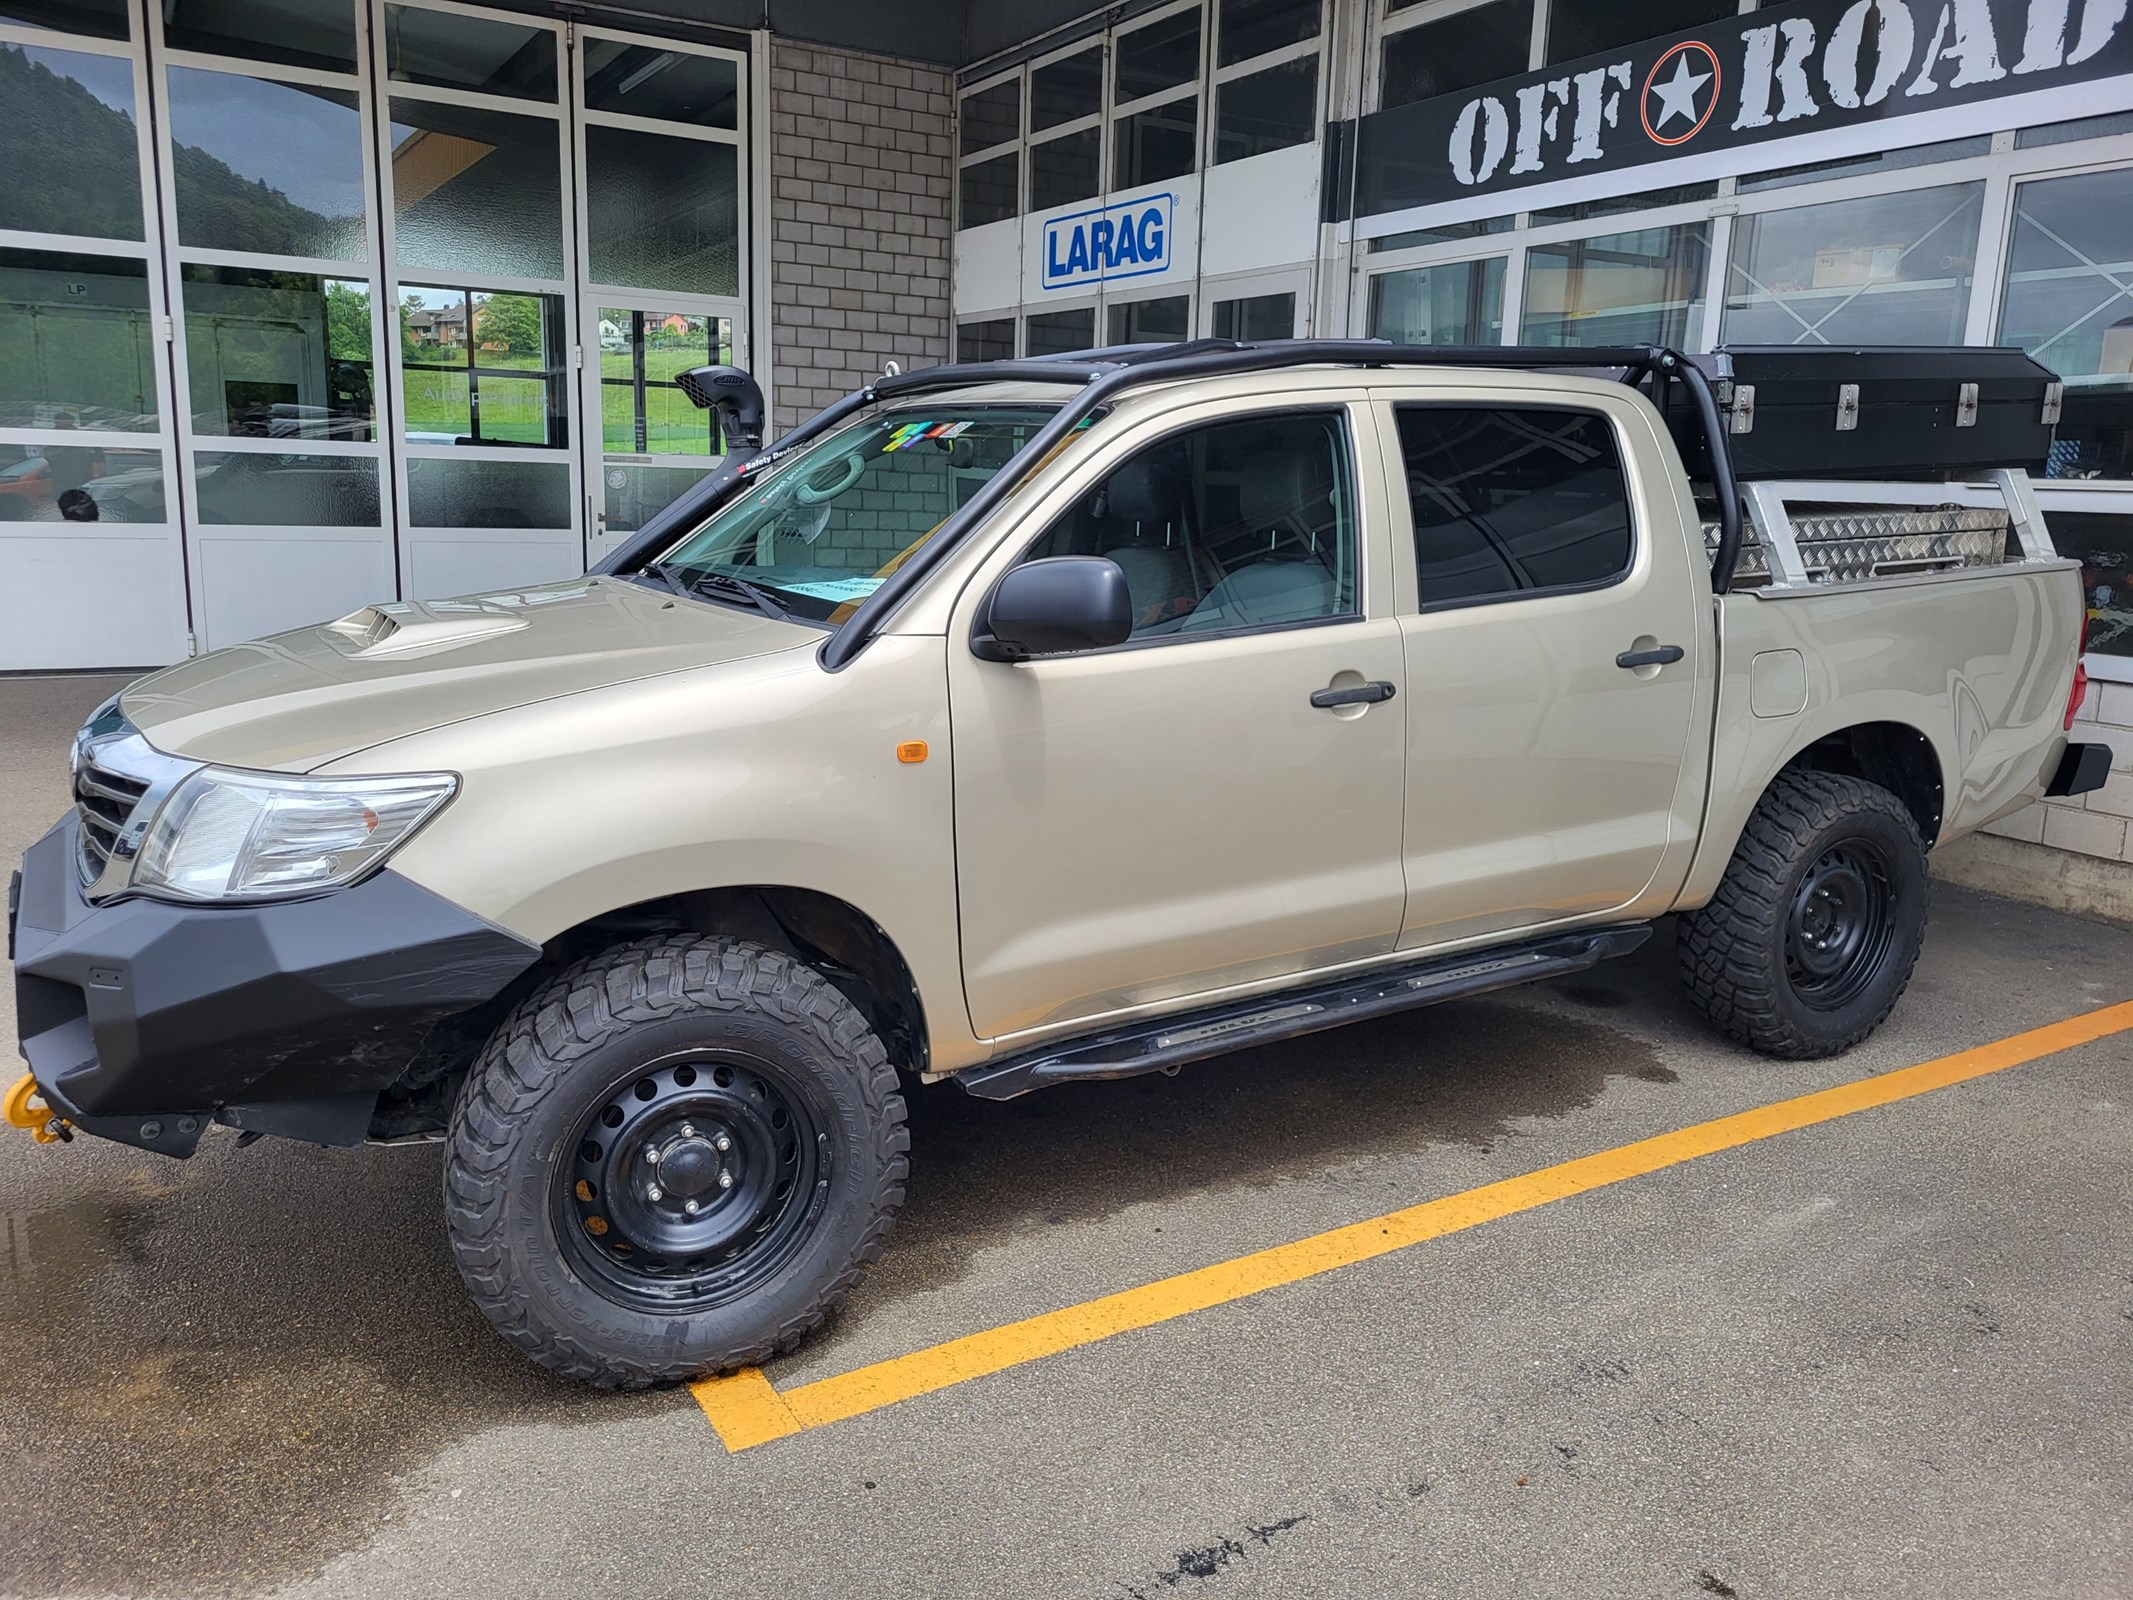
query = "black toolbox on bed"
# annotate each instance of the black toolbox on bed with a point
(1889, 411)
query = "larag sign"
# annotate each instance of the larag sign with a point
(1126, 239)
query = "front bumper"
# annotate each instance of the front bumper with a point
(143, 1021)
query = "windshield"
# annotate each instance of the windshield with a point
(819, 533)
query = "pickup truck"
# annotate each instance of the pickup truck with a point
(1017, 723)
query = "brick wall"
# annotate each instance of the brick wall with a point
(861, 167)
(2099, 823)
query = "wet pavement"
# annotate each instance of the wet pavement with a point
(1887, 1355)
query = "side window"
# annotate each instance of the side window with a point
(1245, 524)
(1508, 502)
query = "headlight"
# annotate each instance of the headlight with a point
(226, 835)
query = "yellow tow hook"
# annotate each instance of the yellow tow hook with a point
(25, 1108)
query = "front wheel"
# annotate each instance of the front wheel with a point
(1817, 923)
(674, 1159)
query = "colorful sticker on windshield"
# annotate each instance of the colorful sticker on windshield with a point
(912, 433)
(838, 589)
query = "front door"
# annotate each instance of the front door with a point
(1558, 646)
(1175, 816)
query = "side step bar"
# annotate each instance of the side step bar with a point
(1169, 1042)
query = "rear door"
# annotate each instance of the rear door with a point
(1556, 624)
(1174, 816)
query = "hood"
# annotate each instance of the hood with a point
(298, 700)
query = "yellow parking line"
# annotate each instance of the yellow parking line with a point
(746, 1410)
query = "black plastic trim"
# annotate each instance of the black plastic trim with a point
(2084, 767)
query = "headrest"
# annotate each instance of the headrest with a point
(1283, 484)
(1143, 490)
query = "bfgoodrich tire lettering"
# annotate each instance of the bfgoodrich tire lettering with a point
(741, 1067)
(1816, 926)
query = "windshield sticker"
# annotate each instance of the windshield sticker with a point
(912, 433)
(835, 588)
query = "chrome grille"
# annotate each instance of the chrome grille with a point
(105, 802)
(120, 781)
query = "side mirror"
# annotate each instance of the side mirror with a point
(1053, 606)
(736, 397)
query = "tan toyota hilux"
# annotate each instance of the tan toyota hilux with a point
(1046, 720)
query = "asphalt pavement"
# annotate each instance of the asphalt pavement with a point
(1881, 1355)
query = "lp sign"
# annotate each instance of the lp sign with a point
(1779, 72)
(1126, 239)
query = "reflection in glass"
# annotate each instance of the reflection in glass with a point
(1478, 45)
(271, 489)
(1269, 110)
(985, 341)
(1160, 56)
(449, 51)
(1256, 317)
(68, 139)
(671, 85)
(986, 192)
(1643, 287)
(1053, 333)
(1613, 205)
(1065, 169)
(1156, 144)
(487, 494)
(1461, 303)
(101, 19)
(991, 116)
(642, 410)
(2104, 547)
(1248, 28)
(270, 167)
(664, 213)
(2069, 303)
(312, 33)
(1578, 28)
(482, 367)
(59, 482)
(1152, 321)
(77, 342)
(278, 355)
(1067, 89)
(1894, 269)
(636, 493)
(476, 191)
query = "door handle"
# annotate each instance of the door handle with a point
(1362, 694)
(1665, 656)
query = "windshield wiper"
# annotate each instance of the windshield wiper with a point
(727, 585)
(665, 575)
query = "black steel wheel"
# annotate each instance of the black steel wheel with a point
(676, 1158)
(1814, 930)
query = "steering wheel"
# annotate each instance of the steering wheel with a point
(812, 492)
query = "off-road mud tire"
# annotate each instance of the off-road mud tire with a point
(558, 1053)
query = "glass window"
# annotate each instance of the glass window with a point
(1893, 269)
(1268, 110)
(2104, 547)
(1161, 321)
(278, 355)
(2069, 302)
(1617, 204)
(642, 409)
(665, 213)
(1243, 524)
(992, 116)
(1159, 143)
(824, 530)
(985, 192)
(477, 191)
(1448, 234)
(274, 168)
(316, 33)
(1917, 155)
(634, 493)
(1054, 333)
(1065, 169)
(1256, 317)
(993, 340)
(77, 342)
(1253, 27)
(68, 137)
(60, 482)
(1476, 46)
(1578, 28)
(1512, 501)
(102, 19)
(1156, 57)
(670, 85)
(450, 51)
(1064, 90)
(482, 367)
(1459, 303)
(269, 489)
(487, 494)
(1644, 287)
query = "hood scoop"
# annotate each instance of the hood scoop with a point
(400, 630)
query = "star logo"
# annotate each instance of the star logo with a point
(1677, 103)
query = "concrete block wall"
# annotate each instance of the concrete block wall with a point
(862, 164)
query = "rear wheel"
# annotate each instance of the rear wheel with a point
(675, 1159)
(1817, 924)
